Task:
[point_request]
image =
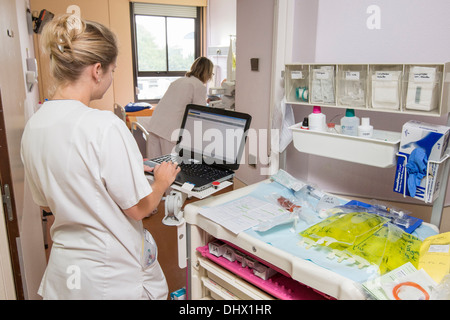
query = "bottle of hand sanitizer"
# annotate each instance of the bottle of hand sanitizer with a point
(350, 123)
(365, 129)
(317, 120)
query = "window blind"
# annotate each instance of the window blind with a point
(164, 10)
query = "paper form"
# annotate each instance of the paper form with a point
(435, 256)
(243, 213)
(382, 288)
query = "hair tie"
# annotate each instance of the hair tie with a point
(74, 23)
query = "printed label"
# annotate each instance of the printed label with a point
(321, 75)
(441, 248)
(296, 75)
(423, 77)
(351, 75)
(383, 75)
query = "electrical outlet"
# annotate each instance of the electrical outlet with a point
(252, 160)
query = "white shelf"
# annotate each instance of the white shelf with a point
(379, 151)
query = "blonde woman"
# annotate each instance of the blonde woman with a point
(168, 114)
(84, 166)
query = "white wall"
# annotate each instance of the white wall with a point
(335, 31)
(221, 24)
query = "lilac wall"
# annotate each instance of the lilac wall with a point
(411, 31)
(254, 24)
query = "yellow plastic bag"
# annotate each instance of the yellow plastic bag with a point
(389, 247)
(367, 239)
(343, 230)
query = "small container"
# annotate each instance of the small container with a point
(365, 130)
(229, 254)
(217, 248)
(305, 124)
(331, 128)
(350, 123)
(240, 257)
(317, 120)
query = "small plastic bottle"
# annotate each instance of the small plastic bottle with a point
(365, 129)
(331, 128)
(305, 125)
(317, 120)
(350, 123)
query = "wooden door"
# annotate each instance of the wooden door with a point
(9, 208)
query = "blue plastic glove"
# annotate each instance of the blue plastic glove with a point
(416, 169)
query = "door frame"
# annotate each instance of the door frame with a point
(10, 218)
(7, 289)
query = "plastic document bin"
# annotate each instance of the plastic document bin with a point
(379, 151)
(351, 85)
(422, 87)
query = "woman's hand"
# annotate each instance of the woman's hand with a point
(165, 173)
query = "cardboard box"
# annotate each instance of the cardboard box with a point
(433, 140)
(179, 294)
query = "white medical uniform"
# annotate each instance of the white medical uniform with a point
(168, 114)
(85, 166)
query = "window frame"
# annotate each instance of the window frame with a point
(137, 74)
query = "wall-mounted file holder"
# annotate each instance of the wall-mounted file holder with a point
(420, 89)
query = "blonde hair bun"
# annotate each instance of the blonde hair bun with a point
(60, 32)
(74, 43)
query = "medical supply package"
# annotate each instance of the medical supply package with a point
(418, 173)
(363, 238)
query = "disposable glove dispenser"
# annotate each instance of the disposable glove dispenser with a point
(418, 173)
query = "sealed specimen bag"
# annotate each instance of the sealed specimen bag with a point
(366, 239)
(343, 230)
(389, 247)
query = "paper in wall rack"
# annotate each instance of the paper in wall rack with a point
(379, 151)
(422, 89)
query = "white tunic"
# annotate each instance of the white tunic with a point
(168, 114)
(85, 166)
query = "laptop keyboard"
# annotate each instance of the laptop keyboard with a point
(195, 169)
(167, 158)
(203, 171)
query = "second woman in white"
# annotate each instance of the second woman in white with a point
(168, 114)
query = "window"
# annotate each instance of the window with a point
(166, 41)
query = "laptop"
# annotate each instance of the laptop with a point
(209, 147)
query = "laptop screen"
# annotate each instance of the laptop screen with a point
(213, 136)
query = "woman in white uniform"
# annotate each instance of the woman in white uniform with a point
(168, 114)
(84, 166)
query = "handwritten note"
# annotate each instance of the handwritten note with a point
(243, 213)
